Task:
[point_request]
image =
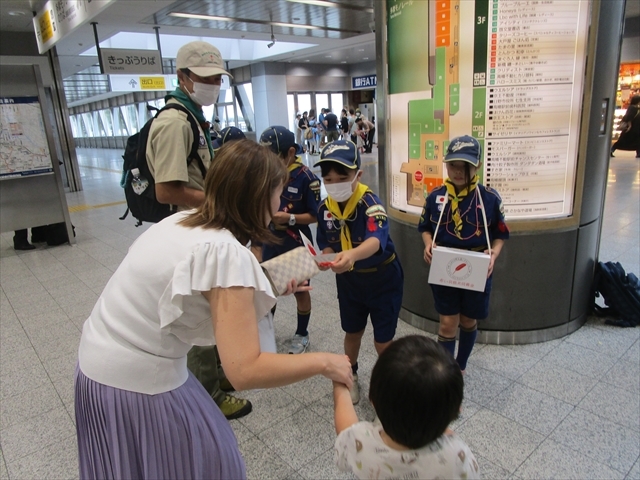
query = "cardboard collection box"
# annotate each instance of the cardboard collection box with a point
(457, 268)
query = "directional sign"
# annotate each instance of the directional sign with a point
(142, 83)
(366, 81)
(127, 61)
(60, 17)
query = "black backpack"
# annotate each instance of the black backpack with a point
(620, 292)
(145, 207)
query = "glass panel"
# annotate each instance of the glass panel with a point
(74, 126)
(244, 103)
(102, 132)
(304, 102)
(337, 103)
(130, 114)
(227, 96)
(248, 88)
(119, 125)
(208, 112)
(291, 110)
(242, 125)
(107, 121)
(322, 101)
(87, 121)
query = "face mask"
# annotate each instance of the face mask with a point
(341, 192)
(204, 94)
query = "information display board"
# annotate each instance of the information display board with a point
(508, 72)
(23, 140)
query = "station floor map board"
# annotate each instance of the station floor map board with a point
(508, 72)
(23, 141)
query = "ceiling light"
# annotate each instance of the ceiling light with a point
(361, 49)
(327, 56)
(343, 61)
(325, 3)
(260, 22)
(16, 13)
(365, 58)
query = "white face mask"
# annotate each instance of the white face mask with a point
(341, 192)
(204, 94)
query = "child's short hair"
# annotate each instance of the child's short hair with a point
(326, 167)
(416, 389)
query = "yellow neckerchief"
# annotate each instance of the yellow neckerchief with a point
(295, 164)
(455, 199)
(350, 207)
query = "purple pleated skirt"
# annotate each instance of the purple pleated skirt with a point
(179, 434)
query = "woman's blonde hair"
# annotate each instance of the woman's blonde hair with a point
(238, 189)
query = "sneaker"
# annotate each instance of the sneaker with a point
(233, 407)
(299, 344)
(355, 390)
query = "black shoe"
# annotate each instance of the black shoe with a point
(23, 246)
(39, 234)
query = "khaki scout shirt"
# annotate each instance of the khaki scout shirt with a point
(169, 144)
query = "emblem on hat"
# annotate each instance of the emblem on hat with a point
(329, 149)
(459, 145)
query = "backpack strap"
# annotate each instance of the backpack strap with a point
(193, 154)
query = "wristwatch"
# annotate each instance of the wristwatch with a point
(292, 220)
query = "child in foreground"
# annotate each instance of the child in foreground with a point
(413, 439)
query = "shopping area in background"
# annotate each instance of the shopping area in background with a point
(628, 86)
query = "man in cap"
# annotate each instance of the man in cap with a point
(181, 183)
(298, 206)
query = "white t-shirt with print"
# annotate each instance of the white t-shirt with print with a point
(361, 450)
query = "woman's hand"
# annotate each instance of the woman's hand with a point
(294, 287)
(338, 369)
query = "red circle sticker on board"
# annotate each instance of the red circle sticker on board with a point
(418, 176)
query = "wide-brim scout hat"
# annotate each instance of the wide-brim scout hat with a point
(465, 149)
(201, 58)
(343, 152)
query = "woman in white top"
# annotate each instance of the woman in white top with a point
(188, 280)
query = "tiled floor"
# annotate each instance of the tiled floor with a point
(566, 409)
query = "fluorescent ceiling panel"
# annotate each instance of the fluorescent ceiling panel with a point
(230, 48)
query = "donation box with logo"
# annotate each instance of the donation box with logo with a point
(457, 268)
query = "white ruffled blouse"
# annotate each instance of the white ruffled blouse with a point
(152, 312)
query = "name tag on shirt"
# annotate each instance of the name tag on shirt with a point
(292, 190)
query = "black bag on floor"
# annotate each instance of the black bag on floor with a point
(54, 234)
(620, 292)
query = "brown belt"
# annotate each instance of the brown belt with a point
(380, 266)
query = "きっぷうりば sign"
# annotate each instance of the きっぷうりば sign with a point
(123, 61)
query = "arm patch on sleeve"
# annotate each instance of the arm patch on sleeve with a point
(376, 211)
